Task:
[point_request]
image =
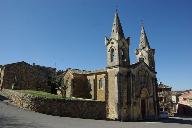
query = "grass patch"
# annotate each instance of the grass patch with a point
(41, 94)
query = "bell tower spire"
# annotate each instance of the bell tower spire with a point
(143, 39)
(117, 31)
(144, 52)
(117, 45)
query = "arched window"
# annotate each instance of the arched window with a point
(112, 54)
(142, 77)
(123, 55)
(101, 83)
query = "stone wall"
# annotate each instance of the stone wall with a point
(22, 75)
(59, 107)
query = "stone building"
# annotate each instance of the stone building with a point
(22, 75)
(166, 98)
(129, 90)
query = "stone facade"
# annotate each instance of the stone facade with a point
(131, 93)
(85, 84)
(129, 90)
(22, 75)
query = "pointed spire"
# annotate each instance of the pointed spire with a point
(117, 31)
(143, 39)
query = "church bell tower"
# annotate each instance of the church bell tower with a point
(117, 46)
(117, 64)
(144, 52)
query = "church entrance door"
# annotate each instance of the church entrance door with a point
(143, 108)
(144, 103)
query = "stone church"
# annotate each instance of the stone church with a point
(129, 90)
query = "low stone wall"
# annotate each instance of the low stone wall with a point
(58, 107)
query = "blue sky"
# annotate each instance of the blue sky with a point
(70, 33)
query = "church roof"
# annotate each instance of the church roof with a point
(99, 71)
(78, 71)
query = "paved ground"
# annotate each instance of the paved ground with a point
(13, 117)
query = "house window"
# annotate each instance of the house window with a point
(112, 54)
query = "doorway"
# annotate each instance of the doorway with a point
(143, 108)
